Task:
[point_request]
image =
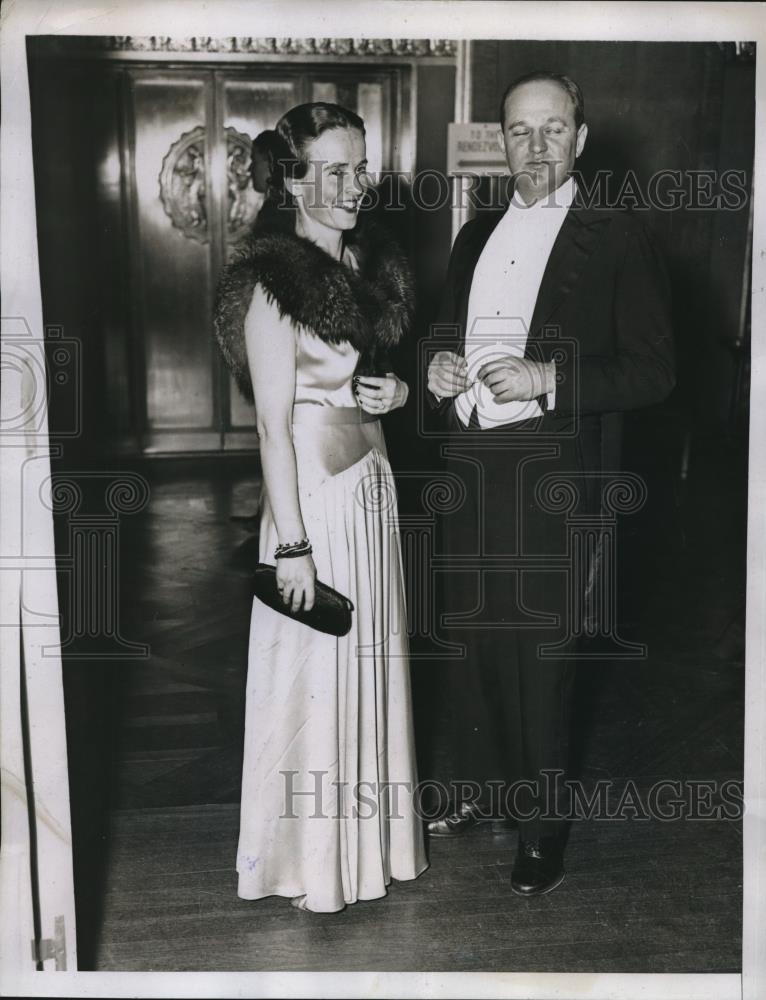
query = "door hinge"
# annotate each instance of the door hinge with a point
(54, 947)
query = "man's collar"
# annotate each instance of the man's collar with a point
(579, 213)
(562, 198)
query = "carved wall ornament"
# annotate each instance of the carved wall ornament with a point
(243, 201)
(373, 47)
(184, 186)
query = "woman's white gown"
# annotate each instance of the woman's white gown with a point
(329, 778)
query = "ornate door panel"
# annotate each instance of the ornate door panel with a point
(172, 274)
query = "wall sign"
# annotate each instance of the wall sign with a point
(474, 148)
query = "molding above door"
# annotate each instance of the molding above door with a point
(375, 48)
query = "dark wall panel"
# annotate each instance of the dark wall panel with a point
(65, 141)
(432, 237)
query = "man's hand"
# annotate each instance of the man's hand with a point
(510, 379)
(447, 374)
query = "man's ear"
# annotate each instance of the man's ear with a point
(582, 135)
(290, 186)
(501, 138)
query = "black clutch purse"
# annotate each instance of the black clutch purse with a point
(331, 612)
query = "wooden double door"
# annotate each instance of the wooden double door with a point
(191, 201)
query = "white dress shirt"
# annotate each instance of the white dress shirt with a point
(502, 299)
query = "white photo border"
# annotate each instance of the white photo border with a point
(459, 20)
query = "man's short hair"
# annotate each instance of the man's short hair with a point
(565, 82)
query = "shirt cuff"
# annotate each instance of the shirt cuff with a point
(550, 385)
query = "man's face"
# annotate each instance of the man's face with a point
(539, 137)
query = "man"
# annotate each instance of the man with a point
(562, 319)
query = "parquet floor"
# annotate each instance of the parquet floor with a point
(640, 896)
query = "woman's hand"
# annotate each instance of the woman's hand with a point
(379, 394)
(295, 581)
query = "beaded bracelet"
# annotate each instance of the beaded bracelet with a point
(291, 550)
(294, 553)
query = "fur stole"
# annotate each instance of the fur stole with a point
(370, 308)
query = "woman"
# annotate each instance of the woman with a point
(329, 777)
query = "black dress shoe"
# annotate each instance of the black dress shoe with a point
(459, 821)
(539, 866)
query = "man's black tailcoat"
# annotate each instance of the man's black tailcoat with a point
(603, 314)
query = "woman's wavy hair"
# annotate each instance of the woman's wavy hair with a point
(265, 144)
(288, 151)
